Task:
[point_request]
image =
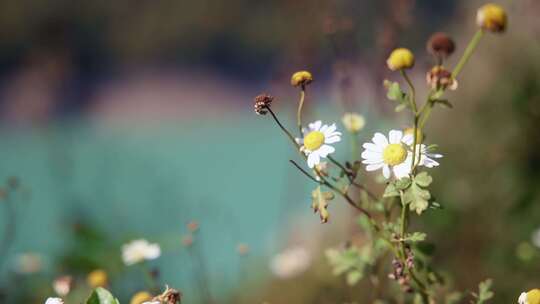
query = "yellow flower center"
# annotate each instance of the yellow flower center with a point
(314, 140)
(533, 296)
(394, 154)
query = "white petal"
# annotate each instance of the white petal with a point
(371, 161)
(408, 139)
(522, 298)
(386, 171)
(371, 155)
(324, 150)
(402, 170)
(315, 126)
(374, 167)
(372, 147)
(313, 159)
(329, 129)
(332, 139)
(380, 140)
(394, 136)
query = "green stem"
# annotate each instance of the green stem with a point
(299, 112)
(468, 52)
(412, 96)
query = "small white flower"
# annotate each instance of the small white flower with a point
(317, 140)
(353, 122)
(389, 154)
(535, 238)
(291, 262)
(54, 301)
(139, 250)
(425, 158)
(62, 285)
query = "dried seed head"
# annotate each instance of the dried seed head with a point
(169, 296)
(440, 78)
(262, 103)
(400, 59)
(301, 78)
(492, 17)
(440, 45)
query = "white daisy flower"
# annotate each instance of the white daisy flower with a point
(291, 262)
(389, 154)
(139, 250)
(317, 140)
(530, 297)
(54, 301)
(424, 157)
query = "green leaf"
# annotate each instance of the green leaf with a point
(484, 291)
(420, 201)
(423, 179)
(416, 237)
(444, 102)
(319, 203)
(391, 190)
(400, 107)
(353, 277)
(403, 183)
(394, 91)
(101, 296)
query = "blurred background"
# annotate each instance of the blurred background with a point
(123, 120)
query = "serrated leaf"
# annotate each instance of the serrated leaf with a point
(319, 203)
(403, 183)
(484, 291)
(416, 237)
(101, 296)
(423, 179)
(420, 201)
(391, 190)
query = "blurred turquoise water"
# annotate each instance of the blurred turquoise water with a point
(232, 176)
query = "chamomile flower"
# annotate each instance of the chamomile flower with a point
(389, 154)
(317, 140)
(530, 297)
(425, 158)
(139, 250)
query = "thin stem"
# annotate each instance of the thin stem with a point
(283, 128)
(340, 166)
(299, 112)
(468, 52)
(304, 171)
(10, 230)
(412, 96)
(426, 112)
(415, 141)
(354, 145)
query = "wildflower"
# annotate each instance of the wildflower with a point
(530, 297)
(262, 103)
(141, 297)
(389, 154)
(353, 122)
(62, 285)
(138, 251)
(491, 17)
(424, 157)
(290, 263)
(242, 249)
(316, 141)
(54, 301)
(400, 59)
(97, 278)
(419, 134)
(536, 238)
(440, 78)
(301, 78)
(29, 263)
(440, 45)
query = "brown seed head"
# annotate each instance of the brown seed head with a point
(440, 45)
(262, 103)
(440, 78)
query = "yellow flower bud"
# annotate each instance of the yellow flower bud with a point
(301, 78)
(400, 59)
(419, 134)
(353, 122)
(491, 17)
(141, 297)
(97, 278)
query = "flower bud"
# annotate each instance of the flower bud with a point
(353, 122)
(97, 278)
(491, 17)
(440, 78)
(440, 45)
(400, 59)
(301, 78)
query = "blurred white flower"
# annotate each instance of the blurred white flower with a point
(62, 285)
(291, 262)
(353, 122)
(139, 250)
(316, 141)
(535, 239)
(54, 301)
(28, 263)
